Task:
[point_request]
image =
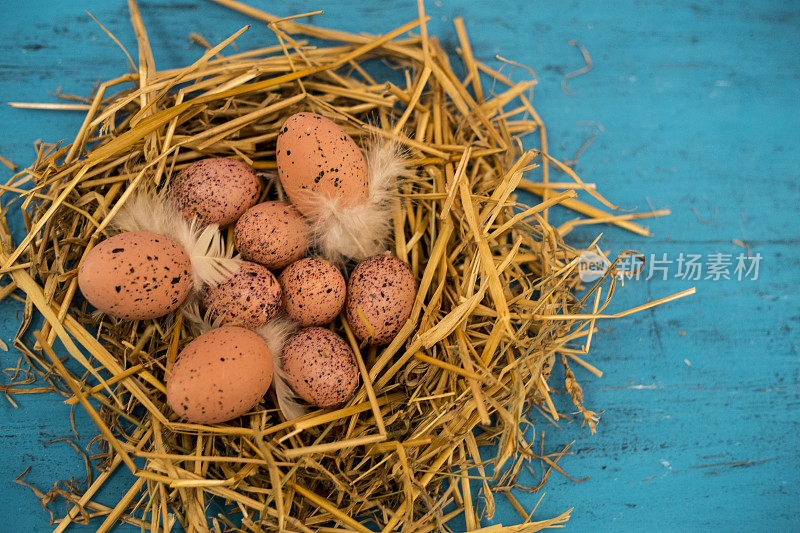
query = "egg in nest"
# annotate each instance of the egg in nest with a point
(347, 195)
(313, 291)
(273, 234)
(317, 158)
(380, 296)
(136, 275)
(215, 190)
(220, 375)
(250, 298)
(320, 367)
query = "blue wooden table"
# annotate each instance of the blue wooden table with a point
(699, 105)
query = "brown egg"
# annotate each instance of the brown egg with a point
(250, 298)
(136, 275)
(380, 295)
(316, 158)
(320, 367)
(220, 375)
(216, 190)
(313, 291)
(272, 234)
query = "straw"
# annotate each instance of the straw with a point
(499, 291)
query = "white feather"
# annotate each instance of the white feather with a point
(275, 333)
(289, 403)
(357, 232)
(198, 321)
(148, 211)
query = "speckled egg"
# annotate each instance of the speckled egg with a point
(313, 291)
(220, 375)
(250, 298)
(215, 190)
(316, 158)
(273, 234)
(320, 367)
(136, 275)
(380, 295)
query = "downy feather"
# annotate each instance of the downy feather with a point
(356, 232)
(275, 333)
(149, 211)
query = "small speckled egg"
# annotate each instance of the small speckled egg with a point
(216, 190)
(316, 158)
(313, 291)
(320, 367)
(136, 275)
(250, 298)
(220, 375)
(273, 234)
(380, 295)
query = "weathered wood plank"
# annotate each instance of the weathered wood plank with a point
(699, 107)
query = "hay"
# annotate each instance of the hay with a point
(497, 307)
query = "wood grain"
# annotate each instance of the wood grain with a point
(698, 104)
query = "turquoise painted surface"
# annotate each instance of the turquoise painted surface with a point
(699, 108)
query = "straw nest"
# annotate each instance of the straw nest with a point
(496, 309)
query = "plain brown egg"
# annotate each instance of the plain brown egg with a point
(273, 234)
(313, 291)
(136, 275)
(250, 298)
(380, 296)
(220, 375)
(320, 367)
(215, 190)
(316, 158)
